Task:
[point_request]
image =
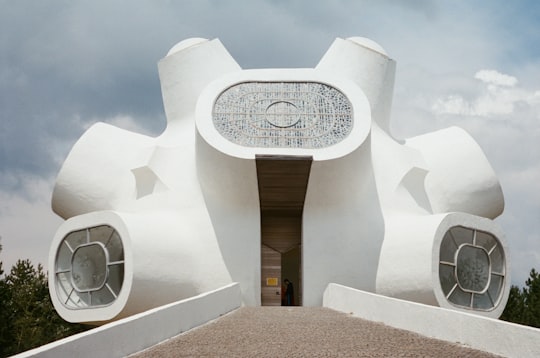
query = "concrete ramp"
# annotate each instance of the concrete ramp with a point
(301, 332)
(352, 324)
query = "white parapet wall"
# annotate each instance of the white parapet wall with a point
(141, 331)
(477, 332)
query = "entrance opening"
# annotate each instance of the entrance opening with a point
(282, 184)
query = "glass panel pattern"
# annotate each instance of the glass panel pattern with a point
(283, 115)
(448, 248)
(89, 267)
(461, 298)
(447, 277)
(471, 268)
(482, 301)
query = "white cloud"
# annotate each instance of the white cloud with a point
(453, 104)
(496, 78)
(499, 96)
(27, 223)
(126, 122)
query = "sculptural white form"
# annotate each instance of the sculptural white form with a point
(154, 220)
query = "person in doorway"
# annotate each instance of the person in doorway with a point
(289, 293)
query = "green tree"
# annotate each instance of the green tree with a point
(5, 332)
(532, 299)
(513, 312)
(523, 305)
(28, 316)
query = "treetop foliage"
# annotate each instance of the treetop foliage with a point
(27, 316)
(523, 305)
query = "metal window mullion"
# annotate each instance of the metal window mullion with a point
(110, 237)
(493, 248)
(69, 296)
(447, 263)
(111, 291)
(490, 299)
(453, 239)
(119, 262)
(451, 291)
(69, 246)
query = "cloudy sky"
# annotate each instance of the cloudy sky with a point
(65, 65)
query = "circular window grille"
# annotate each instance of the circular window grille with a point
(471, 268)
(89, 267)
(283, 115)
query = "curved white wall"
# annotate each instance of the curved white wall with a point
(342, 227)
(153, 276)
(409, 259)
(460, 177)
(232, 198)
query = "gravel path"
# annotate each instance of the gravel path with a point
(301, 332)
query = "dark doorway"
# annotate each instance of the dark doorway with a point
(282, 184)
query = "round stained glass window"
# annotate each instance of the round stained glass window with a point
(89, 267)
(471, 268)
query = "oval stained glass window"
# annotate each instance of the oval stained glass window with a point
(307, 115)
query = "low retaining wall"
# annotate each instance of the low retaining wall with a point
(136, 333)
(477, 332)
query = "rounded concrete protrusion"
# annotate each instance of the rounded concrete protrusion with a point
(184, 44)
(368, 43)
(366, 63)
(188, 67)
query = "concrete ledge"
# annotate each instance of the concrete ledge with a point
(136, 333)
(477, 332)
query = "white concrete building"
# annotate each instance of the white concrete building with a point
(263, 175)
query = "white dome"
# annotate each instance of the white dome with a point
(182, 45)
(363, 41)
